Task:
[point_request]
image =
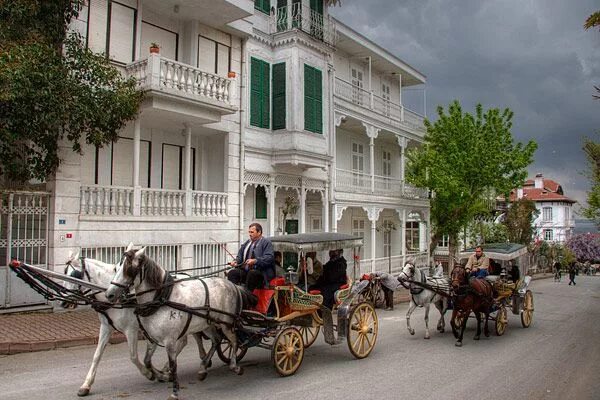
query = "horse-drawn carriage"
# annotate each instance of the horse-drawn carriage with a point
(505, 292)
(167, 308)
(291, 317)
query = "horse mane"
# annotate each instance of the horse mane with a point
(154, 272)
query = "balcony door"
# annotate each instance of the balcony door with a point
(357, 85)
(385, 95)
(358, 164)
(386, 168)
(167, 40)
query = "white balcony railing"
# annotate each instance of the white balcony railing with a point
(393, 113)
(353, 181)
(359, 182)
(158, 202)
(119, 201)
(159, 73)
(106, 200)
(306, 20)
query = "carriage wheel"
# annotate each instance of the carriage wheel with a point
(224, 350)
(527, 311)
(362, 332)
(309, 335)
(501, 321)
(288, 351)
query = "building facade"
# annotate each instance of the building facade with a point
(556, 221)
(267, 111)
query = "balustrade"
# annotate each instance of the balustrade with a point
(112, 201)
(157, 72)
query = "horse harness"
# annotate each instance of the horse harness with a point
(161, 298)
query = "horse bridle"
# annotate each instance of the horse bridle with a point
(409, 279)
(79, 274)
(127, 288)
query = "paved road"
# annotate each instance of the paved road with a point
(556, 358)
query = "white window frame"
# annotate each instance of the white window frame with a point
(413, 236)
(387, 238)
(548, 235)
(358, 229)
(316, 224)
(547, 214)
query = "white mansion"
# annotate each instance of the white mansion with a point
(251, 107)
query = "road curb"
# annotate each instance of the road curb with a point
(10, 348)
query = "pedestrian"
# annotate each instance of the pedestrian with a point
(572, 273)
(557, 272)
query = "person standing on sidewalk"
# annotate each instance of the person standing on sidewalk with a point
(557, 272)
(572, 273)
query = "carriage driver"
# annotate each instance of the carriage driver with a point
(254, 262)
(478, 263)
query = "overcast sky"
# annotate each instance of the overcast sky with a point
(532, 56)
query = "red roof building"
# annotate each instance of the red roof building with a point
(555, 222)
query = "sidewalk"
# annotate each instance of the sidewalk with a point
(20, 333)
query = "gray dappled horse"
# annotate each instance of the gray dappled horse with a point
(424, 297)
(193, 306)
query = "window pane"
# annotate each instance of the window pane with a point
(261, 203)
(171, 167)
(122, 33)
(222, 59)
(206, 54)
(122, 162)
(166, 40)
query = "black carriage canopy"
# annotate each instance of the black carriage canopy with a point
(307, 242)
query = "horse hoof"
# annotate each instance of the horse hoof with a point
(412, 331)
(427, 337)
(476, 338)
(202, 375)
(458, 344)
(238, 370)
(83, 392)
(442, 330)
(209, 364)
(173, 397)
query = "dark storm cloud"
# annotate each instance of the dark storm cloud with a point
(533, 57)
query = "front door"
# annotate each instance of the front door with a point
(23, 237)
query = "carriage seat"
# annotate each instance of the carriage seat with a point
(492, 278)
(343, 292)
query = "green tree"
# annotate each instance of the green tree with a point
(53, 88)
(465, 158)
(591, 22)
(592, 154)
(519, 221)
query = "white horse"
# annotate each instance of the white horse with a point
(194, 306)
(121, 319)
(424, 297)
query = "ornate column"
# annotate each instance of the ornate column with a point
(338, 211)
(302, 222)
(325, 197)
(402, 141)
(373, 215)
(137, 189)
(372, 133)
(188, 170)
(271, 192)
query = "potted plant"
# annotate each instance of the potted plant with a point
(231, 74)
(154, 48)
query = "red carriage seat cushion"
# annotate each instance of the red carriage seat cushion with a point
(279, 281)
(344, 286)
(264, 299)
(314, 291)
(365, 277)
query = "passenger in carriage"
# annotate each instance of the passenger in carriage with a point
(334, 276)
(255, 264)
(514, 272)
(478, 264)
(279, 270)
(314, 269)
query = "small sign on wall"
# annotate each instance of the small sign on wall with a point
(62, 221)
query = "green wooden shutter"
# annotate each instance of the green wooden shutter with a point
(263, 5)
(278, 98)
(255, 92)
(260, 203)
(309, 105)
(313, 99)
(266, 91)
(318, 100)
(260, 77)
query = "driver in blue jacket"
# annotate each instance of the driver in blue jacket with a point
(255, 262)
